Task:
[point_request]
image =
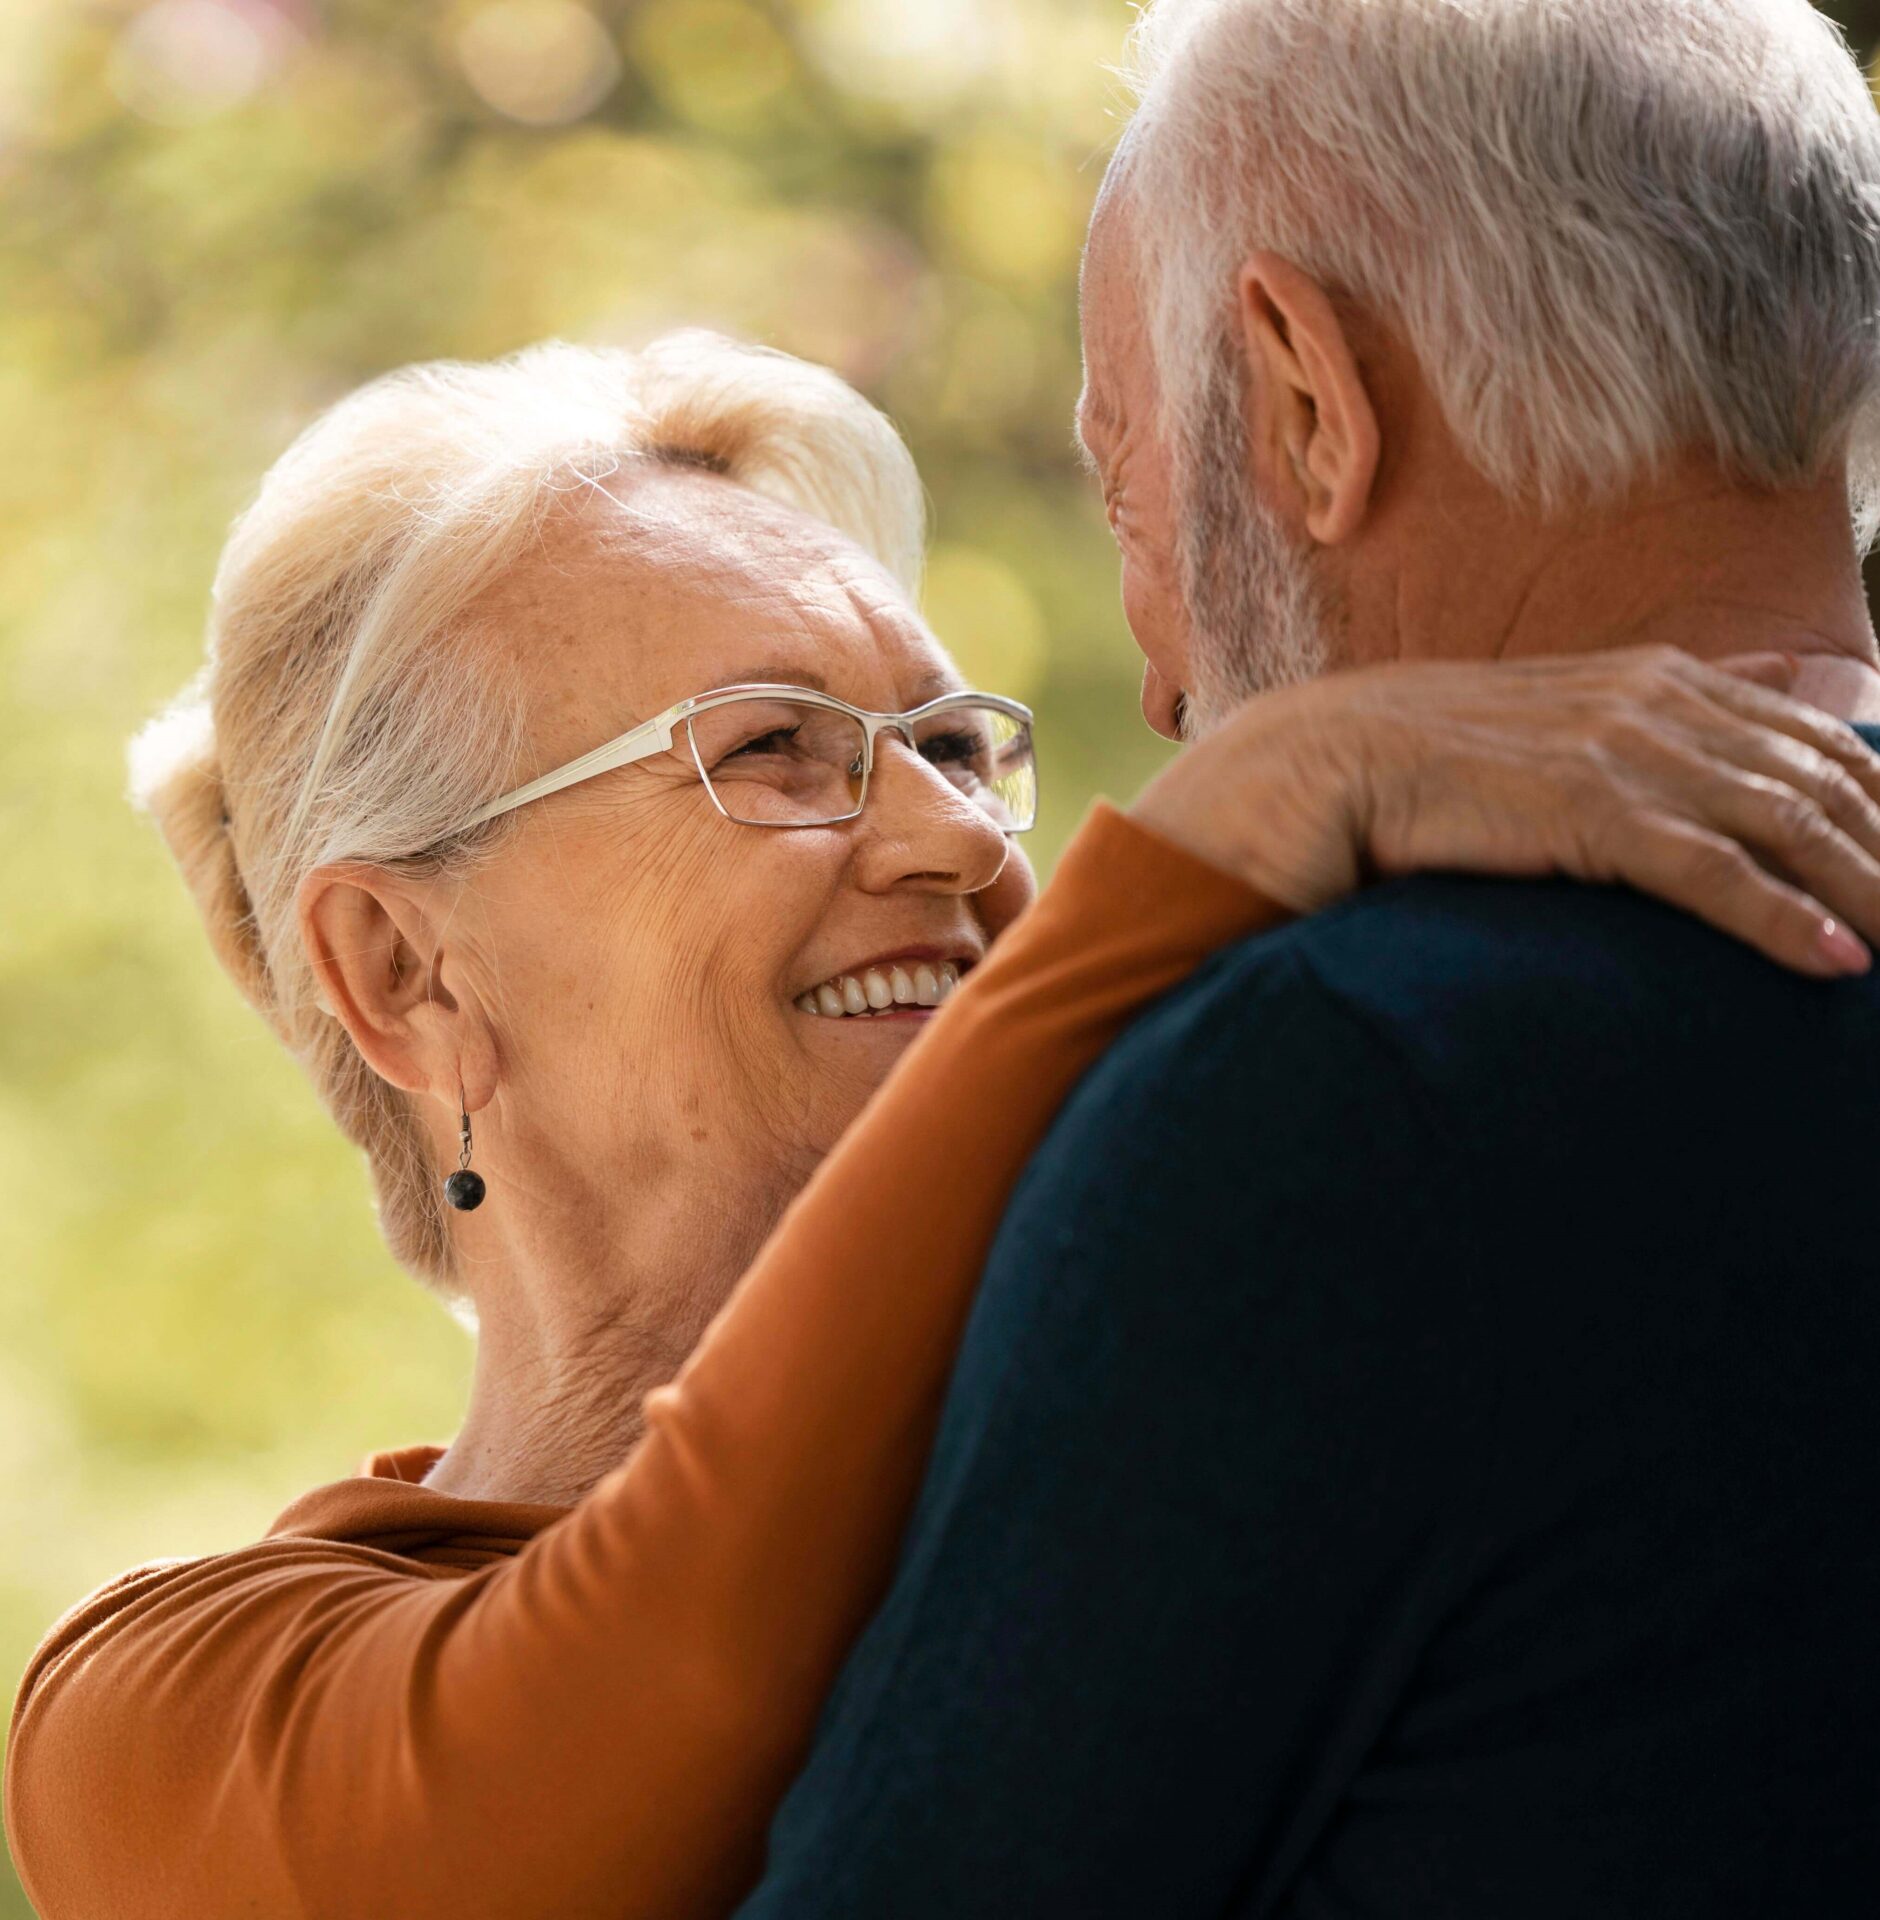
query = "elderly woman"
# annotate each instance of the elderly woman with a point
(575, 791)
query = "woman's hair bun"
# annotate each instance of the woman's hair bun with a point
(176, 778)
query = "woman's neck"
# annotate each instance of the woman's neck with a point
(574, 1331)
(544, 1425)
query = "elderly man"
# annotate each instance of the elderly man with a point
(1418, 1449)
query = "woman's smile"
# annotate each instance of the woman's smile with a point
(906, 986)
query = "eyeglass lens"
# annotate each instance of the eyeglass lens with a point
(780, 763)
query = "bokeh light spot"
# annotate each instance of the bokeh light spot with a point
(180, 61)
(717, 63)
(1008, 211)
(921, 56)
(543, 62)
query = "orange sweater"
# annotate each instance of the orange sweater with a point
(401, 1704)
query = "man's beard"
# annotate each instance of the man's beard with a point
(1258, 617)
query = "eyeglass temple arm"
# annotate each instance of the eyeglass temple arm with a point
(650, 737)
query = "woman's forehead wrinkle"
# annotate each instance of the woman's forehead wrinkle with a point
(920, 667)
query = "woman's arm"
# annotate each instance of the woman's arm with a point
(603, 1725)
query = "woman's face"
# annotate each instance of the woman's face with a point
(638, 958)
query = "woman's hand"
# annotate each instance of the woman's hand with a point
(1703, 785)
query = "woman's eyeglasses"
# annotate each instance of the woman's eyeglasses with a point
(773, 756)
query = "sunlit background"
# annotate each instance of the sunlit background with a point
(217, 216)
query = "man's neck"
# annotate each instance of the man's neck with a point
(1696, 564)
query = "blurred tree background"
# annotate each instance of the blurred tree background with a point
(216, 216)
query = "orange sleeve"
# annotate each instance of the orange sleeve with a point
(603, 1724)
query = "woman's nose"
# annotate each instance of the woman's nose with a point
(919, 830)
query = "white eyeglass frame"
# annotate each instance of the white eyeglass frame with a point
(655, 736)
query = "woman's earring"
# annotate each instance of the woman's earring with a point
(464, 1189)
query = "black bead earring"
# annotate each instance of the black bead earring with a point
(464, 1189)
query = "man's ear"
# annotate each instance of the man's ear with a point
(1312, 410)
(384, 973)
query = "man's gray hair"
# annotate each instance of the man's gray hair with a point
(1611, 230)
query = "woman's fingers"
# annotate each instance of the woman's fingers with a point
(1818, 788)
(1795, 787)
(1771, 709)
(1799, 819)
(1788, 832)
(1743, 806)
(1777, 671)
(1711, 876)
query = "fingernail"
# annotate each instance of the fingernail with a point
(1845, 951)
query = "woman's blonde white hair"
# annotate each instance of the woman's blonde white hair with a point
(344, 711)
(1612, 230)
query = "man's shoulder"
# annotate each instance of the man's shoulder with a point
(1443, 977)
(1428, 963)
(1525, 1036)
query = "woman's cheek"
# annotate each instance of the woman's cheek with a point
(1009, 895)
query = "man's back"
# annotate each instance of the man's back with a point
(1629, 1668)
(1416, 1453)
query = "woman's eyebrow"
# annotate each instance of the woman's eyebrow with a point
(779, 676)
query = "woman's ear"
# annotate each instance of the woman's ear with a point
(1312, 409)
(375, 945)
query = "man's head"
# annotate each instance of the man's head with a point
(1365, 266)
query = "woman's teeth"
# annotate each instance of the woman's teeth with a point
(878, 990)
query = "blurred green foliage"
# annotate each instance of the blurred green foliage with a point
(216, 216)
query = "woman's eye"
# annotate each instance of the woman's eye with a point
(953, 749)
(772, 742)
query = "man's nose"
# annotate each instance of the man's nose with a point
(1162, 702)
(921, 831)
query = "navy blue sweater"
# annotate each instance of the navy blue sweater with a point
(1416, 1454)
